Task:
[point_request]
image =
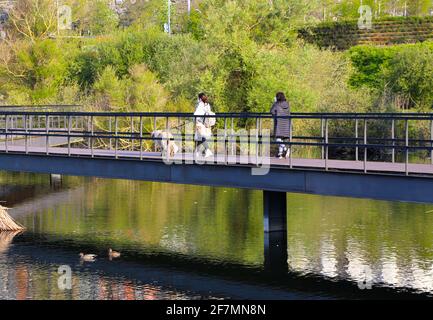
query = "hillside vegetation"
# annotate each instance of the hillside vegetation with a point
(239, 52)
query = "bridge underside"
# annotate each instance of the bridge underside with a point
(332, 183)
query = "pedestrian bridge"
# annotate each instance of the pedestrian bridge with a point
(380, 160)
(377, 156)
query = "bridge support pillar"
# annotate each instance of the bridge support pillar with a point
(275, 227)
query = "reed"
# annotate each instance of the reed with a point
(7, 223)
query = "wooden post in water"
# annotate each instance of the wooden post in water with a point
(275, 228)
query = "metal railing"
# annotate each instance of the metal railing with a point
(335, 136)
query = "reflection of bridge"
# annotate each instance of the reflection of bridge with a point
(376, 162)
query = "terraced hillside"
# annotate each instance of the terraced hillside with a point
(343, 35)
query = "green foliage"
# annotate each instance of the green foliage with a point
(102, 20)
(410, 74)
(403, 71)
(38, 70)
(369, 63)
(239, 52)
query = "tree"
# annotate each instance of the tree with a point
(410, 75)
(37, 69)
(32, 19)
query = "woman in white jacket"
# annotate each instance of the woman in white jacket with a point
(204, 125)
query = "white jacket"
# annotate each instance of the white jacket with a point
(203, 129)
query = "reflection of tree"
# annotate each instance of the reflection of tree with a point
(393, 239)
(216, 223)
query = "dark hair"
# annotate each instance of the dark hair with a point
(281, 97)
(201, 95)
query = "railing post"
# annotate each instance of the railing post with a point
(167, 130)
(154, 129)
(322, 126)
(132, 133)
(365, 145)
(326, 143)
(91, 137)
(257, 141)
(393, 140)
(26, 133)
(47, 131)
(261, 137)
(407, 146)
(116, 138)
(431, 139)
(69, 135)
(6, 133)
(231, 137)
(110, 133)
(141, 137)
(290, 150)
(225, 141)
(356, 137)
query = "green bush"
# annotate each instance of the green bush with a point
(404, 72)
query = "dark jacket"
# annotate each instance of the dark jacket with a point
(281, 126)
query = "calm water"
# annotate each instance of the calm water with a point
(187, 242)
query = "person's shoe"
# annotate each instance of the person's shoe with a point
(208, 154)
(280, 156)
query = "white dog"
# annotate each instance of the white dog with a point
(164, 142)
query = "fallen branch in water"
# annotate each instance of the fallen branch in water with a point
(7, 223)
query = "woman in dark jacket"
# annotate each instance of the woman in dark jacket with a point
(281, 108)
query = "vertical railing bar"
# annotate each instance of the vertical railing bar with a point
(154, 130)
(69, 124)
(257, 141)
(393, 139)
(365, 145)
(326, 143)
(233, 143)
(356, 136)
(110, 130)
(141, 137)
(27, 137)
(47, 130)
(431, 139)
(91, 137)
(225, 142)
(261, 137)
(407, 146)
(132, 134)
(6, 133)
(12, 128)
(194, 151)
(167, 132)
(322, 126)
(116, 138)
(290, 150)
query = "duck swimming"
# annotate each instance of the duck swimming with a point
(88, 257)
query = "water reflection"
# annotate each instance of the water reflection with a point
(336, 238)
(342, 238)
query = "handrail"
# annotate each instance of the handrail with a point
(102, 131)
(335, 116)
